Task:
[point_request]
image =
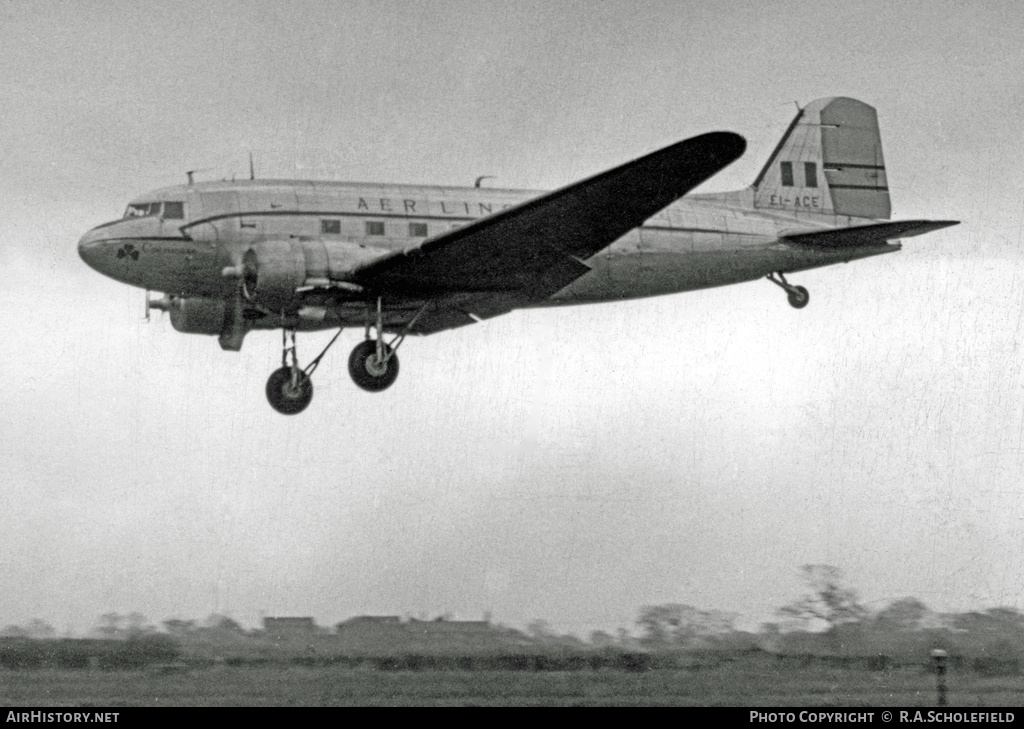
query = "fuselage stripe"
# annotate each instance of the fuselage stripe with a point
(374, 216)
(844, 165)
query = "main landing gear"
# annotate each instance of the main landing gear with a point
(289, 388)
(797, 295)
(373, 366)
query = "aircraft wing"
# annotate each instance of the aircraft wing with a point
(867, 235)
(528, 252)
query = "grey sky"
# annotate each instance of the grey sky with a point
(571, 464)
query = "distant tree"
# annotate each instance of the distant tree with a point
(574, 641)
(994, 621)
(40, 630)
(1010, 617)
(682, 625)
(217, 621)
(830, 603)
(902, 615)
(177, 627)
(136, 624)
(601, 639)
(111, 625)
(13, 631)
(539, 630)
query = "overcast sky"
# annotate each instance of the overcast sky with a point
(569, 465)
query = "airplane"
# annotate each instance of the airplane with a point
(230, 257)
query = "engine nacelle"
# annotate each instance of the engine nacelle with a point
(196, 315)
(272, 270)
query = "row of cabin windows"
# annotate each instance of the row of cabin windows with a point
(373, 227)
(810, 174)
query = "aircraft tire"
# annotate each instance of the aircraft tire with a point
(799, 297)
(283, 397)
(361, 366)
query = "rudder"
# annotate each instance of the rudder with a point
(829, 162)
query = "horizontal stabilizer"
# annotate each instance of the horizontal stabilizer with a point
(867, 235)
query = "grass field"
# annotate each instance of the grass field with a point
(721, 686)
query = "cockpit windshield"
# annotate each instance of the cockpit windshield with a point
(141, 210)
(170, 210)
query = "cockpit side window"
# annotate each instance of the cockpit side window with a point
(141, 210)
(174, 210)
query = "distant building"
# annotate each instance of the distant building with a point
(448, 627)
(368, 620)
(371, 627)
(373, 633)
(289, 627)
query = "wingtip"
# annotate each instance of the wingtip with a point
(730, 143)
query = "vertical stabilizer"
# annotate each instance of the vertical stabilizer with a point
(829, 161)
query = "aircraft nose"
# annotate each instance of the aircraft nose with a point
(90, 248)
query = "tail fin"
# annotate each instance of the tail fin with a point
(829, 161)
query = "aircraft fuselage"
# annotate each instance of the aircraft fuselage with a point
(402, 259)
(697, 242)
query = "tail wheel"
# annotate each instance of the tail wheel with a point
(369, 371)
(289, 390)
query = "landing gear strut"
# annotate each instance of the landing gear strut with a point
(373, 364)
(797, 295)
(289, 388)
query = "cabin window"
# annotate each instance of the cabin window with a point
(787, 174)
(330, 227)
(174, 210)
(417, 230)
(811, 174)
(374, 227)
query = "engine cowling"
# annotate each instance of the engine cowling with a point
(194, 315)
(272, 270)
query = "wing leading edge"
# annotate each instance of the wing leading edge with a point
(528, 252)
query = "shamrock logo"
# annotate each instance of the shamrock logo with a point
(128, 250)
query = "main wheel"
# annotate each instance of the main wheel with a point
(798, 297)
(285, 397)
(367, 371)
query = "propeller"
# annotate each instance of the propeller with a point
(161, 304)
